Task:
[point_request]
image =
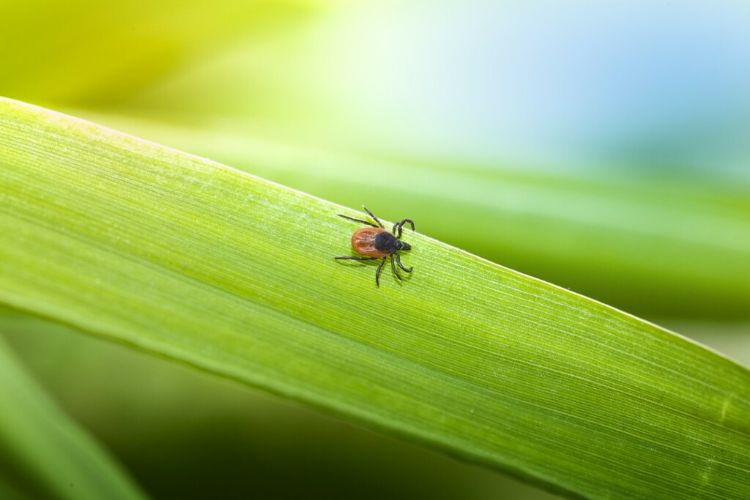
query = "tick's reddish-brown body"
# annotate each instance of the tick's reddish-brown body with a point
(364, 242)
(374, 243)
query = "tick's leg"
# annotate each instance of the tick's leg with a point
(373, 216)
(377, 273)
(348, 257)
(400, 225)
(393, 266)
(358, 220)
(398, 261)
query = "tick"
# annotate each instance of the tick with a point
(376, 243)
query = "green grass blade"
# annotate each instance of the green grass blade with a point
(204, 264)
(45, 455)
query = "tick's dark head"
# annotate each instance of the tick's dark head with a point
(404, 245)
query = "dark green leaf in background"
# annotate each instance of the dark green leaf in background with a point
(45, 455)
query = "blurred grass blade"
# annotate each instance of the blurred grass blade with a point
(45, 455)
(659, 247)
(159, 39)
(232, 274)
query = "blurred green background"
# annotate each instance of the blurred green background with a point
(602, 146)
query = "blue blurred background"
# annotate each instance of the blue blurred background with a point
(602, 146)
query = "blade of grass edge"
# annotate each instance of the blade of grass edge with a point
(232, 274)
